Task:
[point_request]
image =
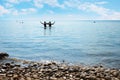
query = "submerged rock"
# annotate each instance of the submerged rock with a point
(3, 55)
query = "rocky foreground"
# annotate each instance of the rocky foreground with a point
(15, 69)
(55, 71)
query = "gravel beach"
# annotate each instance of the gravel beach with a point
(16, 69)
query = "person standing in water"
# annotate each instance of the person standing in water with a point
(50, 24)
(45, 24)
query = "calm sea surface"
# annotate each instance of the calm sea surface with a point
(73, 41)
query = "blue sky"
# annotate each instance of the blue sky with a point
(60, 9)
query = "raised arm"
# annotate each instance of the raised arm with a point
(53, 23)
(41, 22)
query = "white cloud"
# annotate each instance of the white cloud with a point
(32, 9)
(23, 11)
(14, 12)
(103, 13)
(78, 6)
(72, 3)
(8, 5)
(27, 11)
(94, 8)
(52, 3)
(50, 11)
(38, 3)
(87, 7)
(17, 1)
(113, 16)
(3, 10)
(12, 1)
(101, 2)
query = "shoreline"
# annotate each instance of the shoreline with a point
(18, 69)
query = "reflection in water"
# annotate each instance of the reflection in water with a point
(44, 31)
(47, 31)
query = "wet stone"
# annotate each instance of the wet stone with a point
(54, 71)
(3, 55)
(4, 67)
(17, 65)
(2, 70)
(3, 75)
(35, 76)
(9, 75)
(28, 78)
(7, 64)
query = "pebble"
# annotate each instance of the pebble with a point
(3, 75)
(54, 71)
(35, 76)
(22, 79)
(3, 55)
(28, 78)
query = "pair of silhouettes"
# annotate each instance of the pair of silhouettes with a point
(49, 24)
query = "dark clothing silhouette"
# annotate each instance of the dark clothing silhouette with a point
(45, 24)
(50, 23)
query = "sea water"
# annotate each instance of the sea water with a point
(85, 42)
